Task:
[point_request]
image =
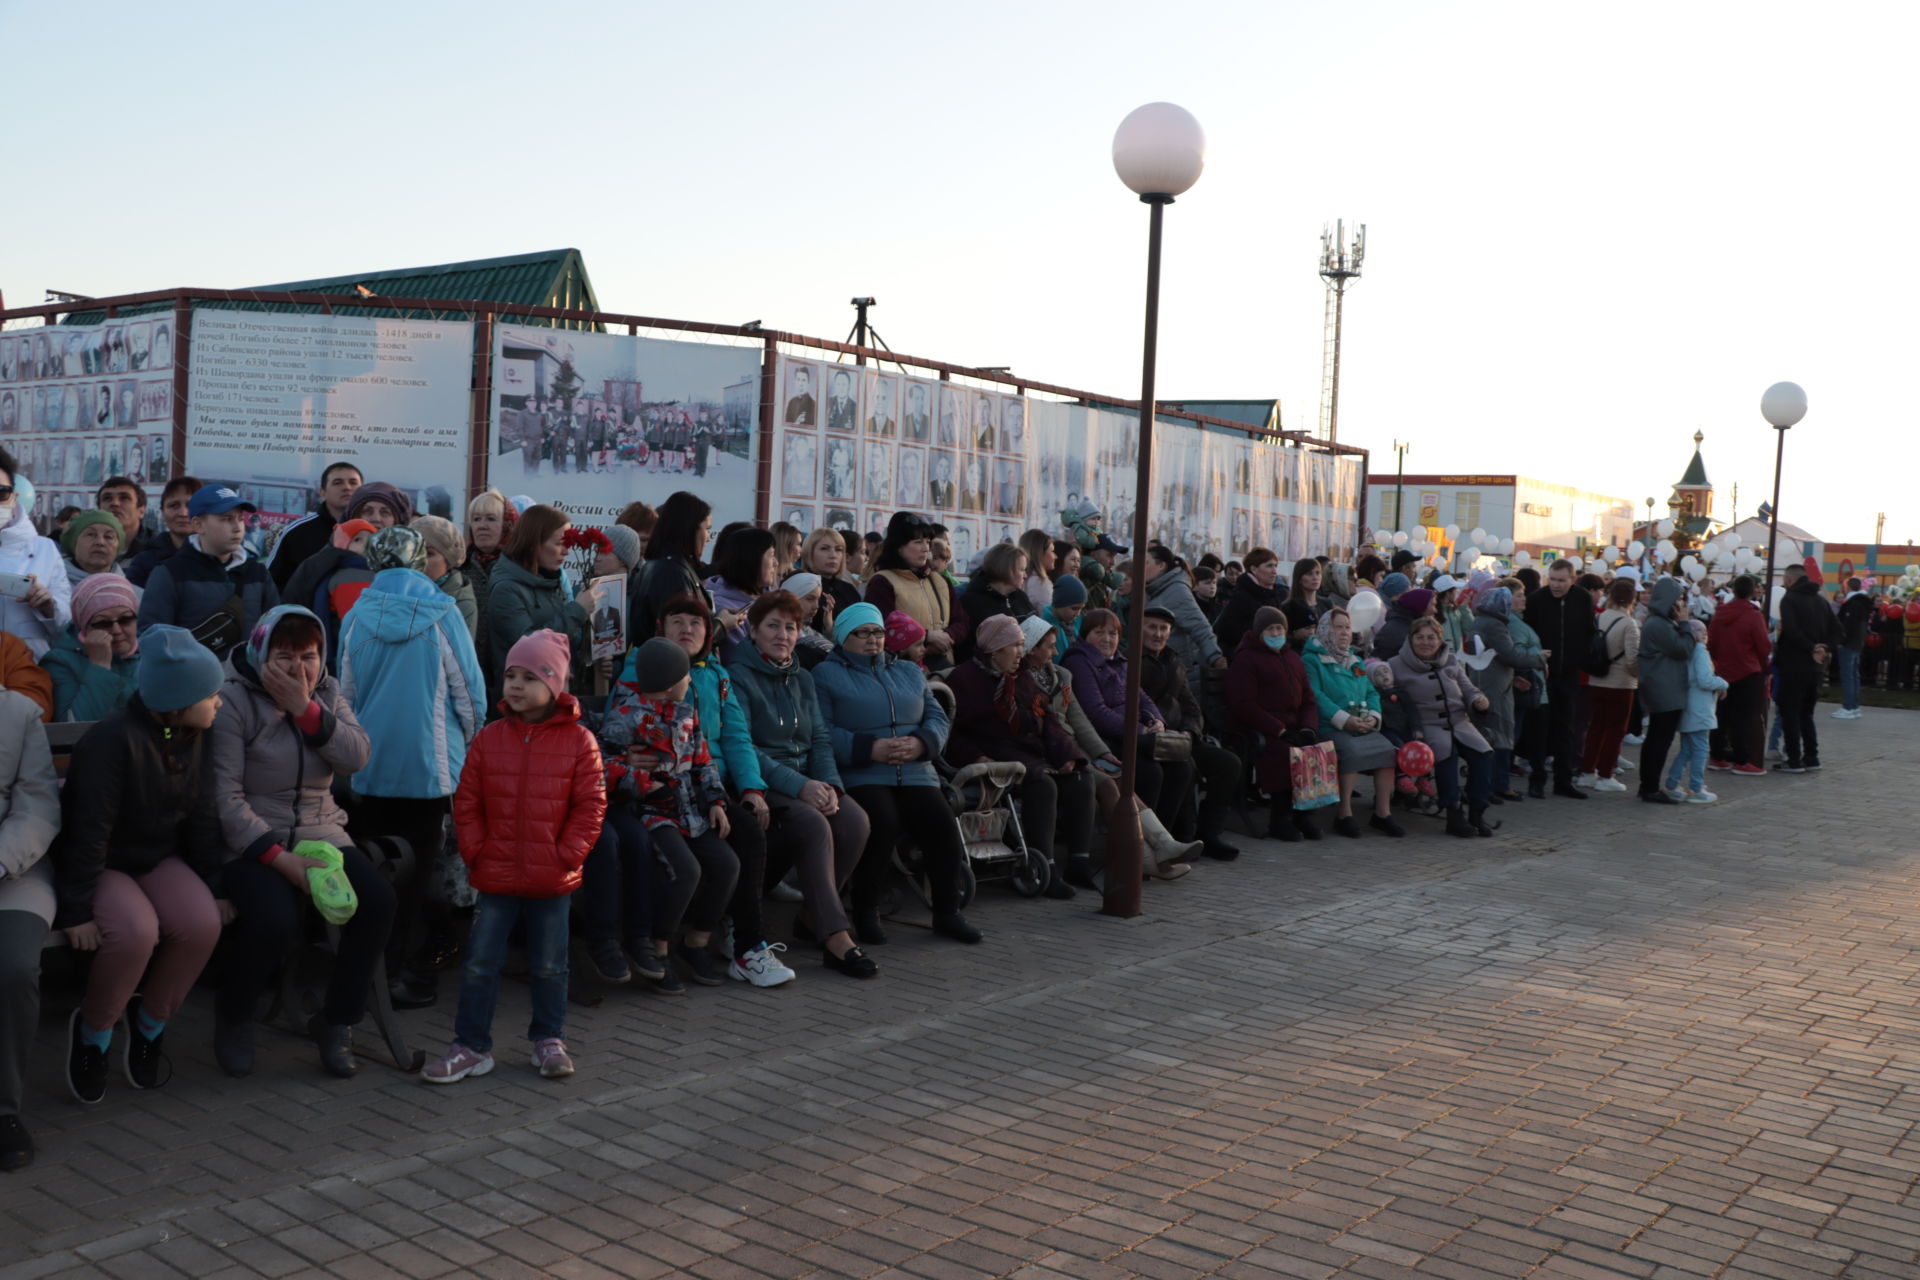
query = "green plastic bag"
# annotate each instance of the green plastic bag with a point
(333, 894)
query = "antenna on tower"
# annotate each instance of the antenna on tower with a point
(1340, 259)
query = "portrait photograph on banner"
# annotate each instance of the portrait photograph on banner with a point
(879, 471)
(986, 420)
(916, 420)
(800, 381)
(910, 478)
(799, 464)
(943, 491)
(950, 423)
(841, 411)
(840, 478)
(973, 483)
(882, 392)
(1013, 424)
(800, 517)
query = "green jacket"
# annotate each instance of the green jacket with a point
(519, 603)
(83, 692)
(1339, 689)
(783, 715)
(456, 585)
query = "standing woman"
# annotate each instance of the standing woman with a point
(1350, 718)
(903, 579)
(672, 565)
(527, 593)
(1433, 681)
(44, 609)
(29, 821)
(1510, 681)
(1305, 587)
(490, 521)
(1040, 564)
(1170, 587)
(1666, 660)
(139, 842)
(994, 590)
(819, 826)
(886, 728)
(1611, 694)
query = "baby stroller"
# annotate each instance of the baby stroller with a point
(980, 797)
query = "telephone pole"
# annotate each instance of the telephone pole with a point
(1340, 260)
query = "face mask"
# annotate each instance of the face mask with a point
(1275, 643)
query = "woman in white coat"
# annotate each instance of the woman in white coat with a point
(38, 610)
(29, 819)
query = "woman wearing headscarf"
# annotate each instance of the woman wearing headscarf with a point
(95, 664)
(1001, 714)
(1666, 660)
(1501, 667)
(444, 552)
(886, 728)
(1350, 718)
(816, 637)
(1268, 694)
(1433, 681)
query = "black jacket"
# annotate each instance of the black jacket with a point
(297, 542)
(650, 585)
(141, 566)
(1236, 616)
(1805, 621)
(132, 799)
(1163, 678)
(983, 602)
(1565, 627)
(1856, 617)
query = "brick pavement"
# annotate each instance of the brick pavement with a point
(1612, 1041)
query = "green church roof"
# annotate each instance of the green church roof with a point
(1696, 476)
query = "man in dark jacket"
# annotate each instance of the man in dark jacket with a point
(1562, 615)
(211, 586)
(1163, 678)
(314, 530)
(1808, 635)
(1856, 617)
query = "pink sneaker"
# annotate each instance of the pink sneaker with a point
(459, 1063)
(551, 1057)
(1749, 771)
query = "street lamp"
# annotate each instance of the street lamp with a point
(1158, 151)
(1400, 484)
(1783, 404)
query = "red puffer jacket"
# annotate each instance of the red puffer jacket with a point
(530, 803)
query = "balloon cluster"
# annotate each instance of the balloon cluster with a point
(1906, 587)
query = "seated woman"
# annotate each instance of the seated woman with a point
(745, 564)
(284, 734)
(996, 589)
(886, 727)
(1350, 718)
(1438, 688)
(1000, 714)
(1099, 673)
(139, 842)
(1268, 695)
(1164, 857)
(29, 820)
(95, 662)
(821, 828)
(1163, 676)
(816, 637)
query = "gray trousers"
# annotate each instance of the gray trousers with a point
(21, 933)
(825, 849)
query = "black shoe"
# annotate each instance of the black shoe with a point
(855, 963)
(1282, 827)
(1457, 824)
(1788, 766)
(86, 1065)
(1346, 827)
(1477, 819)
(1057, 887)
(1219, 850)
(336, 1047)
(668, 983)
(1304, 823)
(1569, 791)
(867, 930)
(954, 925)
(1079, 872)
(647, 962)
(1386, 825)
(16, 1145)
(233, 1047)
(609, 961)
(1536, 790)
(146, 1066)
(1509, 796)
(1810, 764)
(410, 991)
(1657, 797)
(700, 963)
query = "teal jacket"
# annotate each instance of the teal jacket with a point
(1337, 688)
(520, 603)
(724, 720)
(783, 714)
(1063, 635)
(83, 692)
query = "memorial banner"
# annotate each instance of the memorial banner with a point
(589, 422)
(272, 399)
(82, 403)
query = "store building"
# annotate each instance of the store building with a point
(1537, 514)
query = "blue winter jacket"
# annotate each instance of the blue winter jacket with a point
(187, 588)
(408, 670)
(1703, 710)
(783, 715)
(724, 721)
(865, 699)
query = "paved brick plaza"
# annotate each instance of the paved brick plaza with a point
(1613, 1041)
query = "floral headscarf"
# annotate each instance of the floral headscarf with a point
(1340, 652)
(262, 637)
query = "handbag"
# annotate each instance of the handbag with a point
(1316, 775)
(1172, 746)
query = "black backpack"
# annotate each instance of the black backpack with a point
(1599, 655)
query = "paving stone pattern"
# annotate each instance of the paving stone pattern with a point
(1615, 1040)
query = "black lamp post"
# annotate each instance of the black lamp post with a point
(1783, 405)
(1158, 151)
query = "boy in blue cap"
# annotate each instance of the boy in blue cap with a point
(211, 586)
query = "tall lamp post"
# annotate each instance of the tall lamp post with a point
(1158, 151)
(1400, 484)
(1782, 406)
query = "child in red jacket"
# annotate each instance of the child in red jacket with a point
(528, 810)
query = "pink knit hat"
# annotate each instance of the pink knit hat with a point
(98, 592)
(545, 653)
(903, 632)
(996, 633)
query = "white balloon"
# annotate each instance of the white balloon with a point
(1665, 527)
(1779, 594)
(1610, 554)
(1400, 539)
(1478, 537)
(1522, 558)
(1469, 554)
(1452, 532)
(1696, 570)
(1635, 550)
(1366, 609)
(1665, 550)
(1732, 538)
(1711, 553)
(1506, 546)
(1577, 563)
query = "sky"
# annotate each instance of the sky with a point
(1592, 230)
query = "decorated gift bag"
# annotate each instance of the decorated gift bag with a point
(1316, 775)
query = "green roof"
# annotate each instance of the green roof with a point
(554, 278)
(1262, 414)
(1696, 477)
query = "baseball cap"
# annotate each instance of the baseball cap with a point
(213, 499)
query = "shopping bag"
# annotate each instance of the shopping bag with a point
(1316, 775)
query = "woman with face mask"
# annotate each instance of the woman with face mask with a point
(1268, 696)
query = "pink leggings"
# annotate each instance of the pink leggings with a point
(166, 916)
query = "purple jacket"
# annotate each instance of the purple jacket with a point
(1100, 683)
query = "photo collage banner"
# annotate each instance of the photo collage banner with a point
(81, 403)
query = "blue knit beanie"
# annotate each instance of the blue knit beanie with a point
(1069, 591)
(176, 670)
(1393, 584)
(853, 617)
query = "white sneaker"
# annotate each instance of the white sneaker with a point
(1634, 739)
(1586, 780)
(1701, 797)
(1623, 765)
(1776, 756)
(1605, 784)
(761, 967)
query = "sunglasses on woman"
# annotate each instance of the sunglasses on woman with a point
(108, 624)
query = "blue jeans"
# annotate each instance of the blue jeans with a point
(1850, 679)
(1689, 762)
(1446, 777)
(493, 921)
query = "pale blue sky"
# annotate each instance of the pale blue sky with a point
(1592, 230)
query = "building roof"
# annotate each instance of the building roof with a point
(1263, 414)
(1696, 474)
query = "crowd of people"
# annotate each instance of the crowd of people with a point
(781, 724)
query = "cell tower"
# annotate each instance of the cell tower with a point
(1339, 265)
